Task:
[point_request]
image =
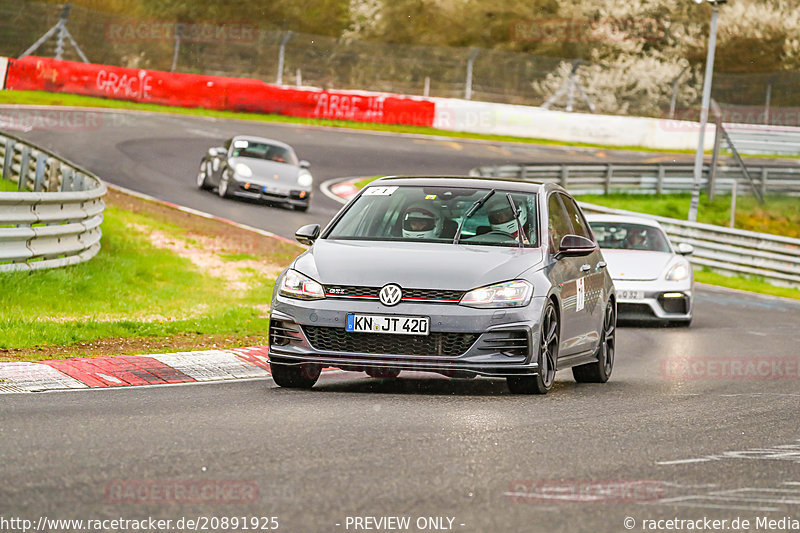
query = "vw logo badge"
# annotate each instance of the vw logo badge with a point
(391, 295)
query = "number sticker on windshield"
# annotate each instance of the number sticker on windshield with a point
(380, 191)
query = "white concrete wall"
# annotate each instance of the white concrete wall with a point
(535, 122)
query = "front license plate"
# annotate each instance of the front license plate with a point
(402, 325)
(630, 295)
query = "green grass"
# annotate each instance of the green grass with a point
(360, 184)
(8, 186)
(238, 257)
(745, 284)
(130, 289)
(779, 215)
(45, 98)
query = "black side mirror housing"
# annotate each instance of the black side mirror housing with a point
(304, 164)
(575, 245)
(307, 234)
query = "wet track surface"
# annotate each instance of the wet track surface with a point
(685, 428)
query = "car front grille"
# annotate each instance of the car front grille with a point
(409, 295)
(674, 305)
(282, 333)
(436, 344)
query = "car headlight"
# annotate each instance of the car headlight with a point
(515, 293)
(242, 170)
(297, 285)
(305, 180)
(678, 272)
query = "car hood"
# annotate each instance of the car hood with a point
(268, 172)
(414, 265)
(636, 265)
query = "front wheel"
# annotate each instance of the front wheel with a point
(600, 370)
(548, 354)
(302, 376)
(202, 176)
(222, 190)
(302, 208)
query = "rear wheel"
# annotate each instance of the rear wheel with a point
(600, 370)
(302, 376)
(548, 354)
(382, 373)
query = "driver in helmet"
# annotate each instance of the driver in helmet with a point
(422, 221)
(501, 217)
(636, 240)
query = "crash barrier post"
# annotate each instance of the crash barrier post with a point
(53, 218)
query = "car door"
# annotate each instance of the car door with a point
(564, 274)
(591, 280)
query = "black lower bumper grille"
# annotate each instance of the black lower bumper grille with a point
(512, 343)
(675, 305)
(436, 344)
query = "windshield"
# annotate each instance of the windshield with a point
(259, 150)
(434, 214)
(628, 236)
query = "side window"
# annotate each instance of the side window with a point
(579, 225)
(557, 222)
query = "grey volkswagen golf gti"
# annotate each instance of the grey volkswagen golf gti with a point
(460, 276)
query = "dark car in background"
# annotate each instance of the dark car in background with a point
(459, 276)
(257, 169)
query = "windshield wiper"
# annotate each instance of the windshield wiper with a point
(477, 205)
(520, 230)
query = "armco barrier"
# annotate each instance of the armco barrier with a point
(214, 92)
(54, 220)
(724, 250)
(648, 177)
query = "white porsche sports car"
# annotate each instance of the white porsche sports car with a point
(654, 280)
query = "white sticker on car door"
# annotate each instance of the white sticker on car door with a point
(580, 302)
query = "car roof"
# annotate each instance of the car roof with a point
(630, 219)
(468, 182)
(261, 140)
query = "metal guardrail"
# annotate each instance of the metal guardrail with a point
(728, 251)
(656, 178)
(754, 139)
(54, 217)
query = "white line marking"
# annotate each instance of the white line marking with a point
(325, 188)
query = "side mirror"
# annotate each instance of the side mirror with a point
(307, 234)
(216, 152)
(575, 245)
(685, 248)
(304, 164)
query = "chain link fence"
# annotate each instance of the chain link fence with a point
(238, 48)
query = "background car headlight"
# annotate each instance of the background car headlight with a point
(242, 170)
(678, 272)
(509, 294)
(305, 180)
(297, 285)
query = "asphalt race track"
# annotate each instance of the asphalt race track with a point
(695, 423)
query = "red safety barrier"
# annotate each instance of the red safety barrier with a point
(214, 92)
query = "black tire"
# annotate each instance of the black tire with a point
(548, 355)
(302, 376)
(600, 370)
(681, 323)
(382, 373)
(301, 208)
(202, 176)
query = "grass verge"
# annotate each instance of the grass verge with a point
(163, 279)
(745, 284)
(62, 99)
